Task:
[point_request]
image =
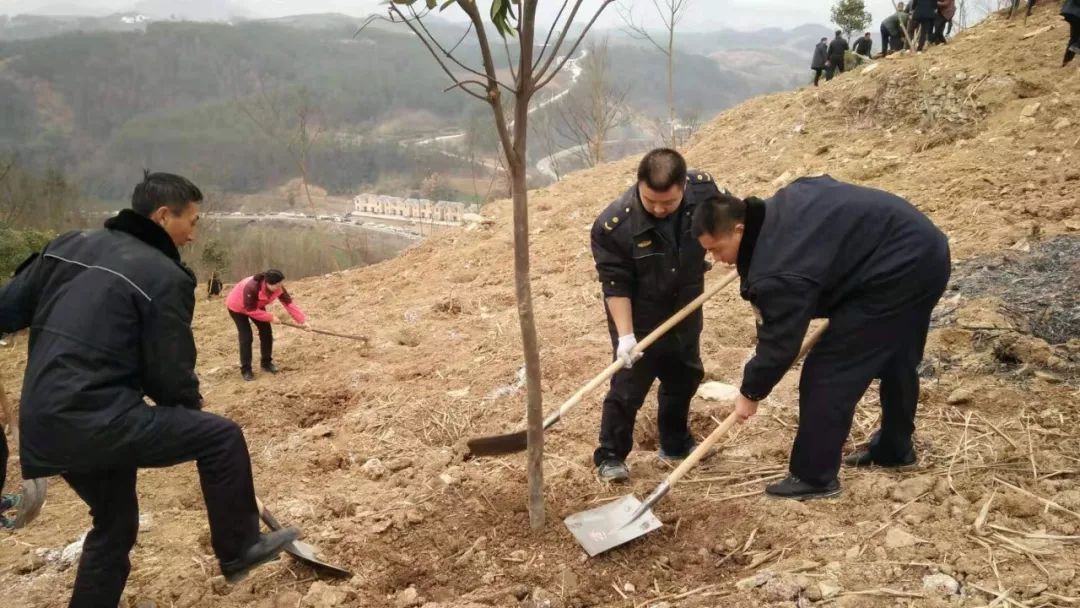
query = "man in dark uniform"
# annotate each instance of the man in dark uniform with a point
(109, 313)
(650, 266)
(837, 48)
(873, 265)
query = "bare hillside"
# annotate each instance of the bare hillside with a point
(361, 444)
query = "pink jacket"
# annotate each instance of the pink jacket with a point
(249, 297)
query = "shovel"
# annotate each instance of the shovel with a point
(301, 551)
(621, 521)
(326, 333)
(497, 445)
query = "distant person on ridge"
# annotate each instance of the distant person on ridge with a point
(892, 34)
(1016, 5)
(864, 46)
(1070, 10)
(109, 313)
(247, 303)
(945, 14)
(820, 61)
(924, 13)
(837, 48)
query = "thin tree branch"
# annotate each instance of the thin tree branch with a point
(547, 39)
(493, 97)
(638, 32)
(540, 77)
(449, 54)
(463, 83)
(562, 36)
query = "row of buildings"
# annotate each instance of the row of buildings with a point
(412, 208)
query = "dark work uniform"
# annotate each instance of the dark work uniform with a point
(661, 268)
(109, 313)
(873, 265)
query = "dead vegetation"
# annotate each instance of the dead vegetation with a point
(362, 444)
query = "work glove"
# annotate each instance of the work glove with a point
(624, 351)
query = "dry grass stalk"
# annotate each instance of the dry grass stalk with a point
(1046, 502)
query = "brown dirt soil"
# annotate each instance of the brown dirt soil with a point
(942, 128)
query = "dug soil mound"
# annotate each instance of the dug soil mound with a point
(360, 443)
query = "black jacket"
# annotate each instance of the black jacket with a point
(109, 313)
(634, 260)
(923, 10)
(821, 56)
(864, 46)
(837, 48)
(824, 248)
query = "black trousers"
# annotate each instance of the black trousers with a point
(266, 340)
(817, 75)
(170, 436)
(939, 29)
(926, 32)
(1074, 37)
(679, 369)
(3, 458)
(852, 352)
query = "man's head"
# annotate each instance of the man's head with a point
(661, 180)
(718, 224)
(867, 35)
(839, 33)
(824, 40)
(170, 201)
(274, 278)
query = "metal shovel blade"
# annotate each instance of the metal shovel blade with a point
(301, 551)
(608, 526)
(497, 445)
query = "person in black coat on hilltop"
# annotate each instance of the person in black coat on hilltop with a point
(866, 260)
(924, 14)
(109, 313)
(864, 46)
(820, 60)
(837, 48)
(1070, 10)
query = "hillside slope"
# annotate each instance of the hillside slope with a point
(944, 129)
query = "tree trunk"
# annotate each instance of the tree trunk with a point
(523, 286)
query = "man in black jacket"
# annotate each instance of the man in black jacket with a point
(864, 46)
(650, 266)
(837, 48)
(873, 265)
(109, 313)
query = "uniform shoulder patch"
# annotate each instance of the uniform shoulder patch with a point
(615, 219)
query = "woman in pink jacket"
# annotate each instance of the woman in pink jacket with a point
(246, 303)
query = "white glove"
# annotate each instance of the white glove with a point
(624, 351)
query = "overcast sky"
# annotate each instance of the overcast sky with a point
(703, 15)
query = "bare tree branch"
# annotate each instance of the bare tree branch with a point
(547, 39)
(573, 48)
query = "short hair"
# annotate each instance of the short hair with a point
(661, 169)
(163, 190)
(823, 39)
(274, 276)
(718, 214)
(838, 32)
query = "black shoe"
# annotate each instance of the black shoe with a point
(674, 458)
(863, 458)
(247, 375)
(270, 367)
(796, 489)
(266, 549)
(614, 471)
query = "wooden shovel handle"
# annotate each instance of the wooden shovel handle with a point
(730, 421)
(647, 341)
